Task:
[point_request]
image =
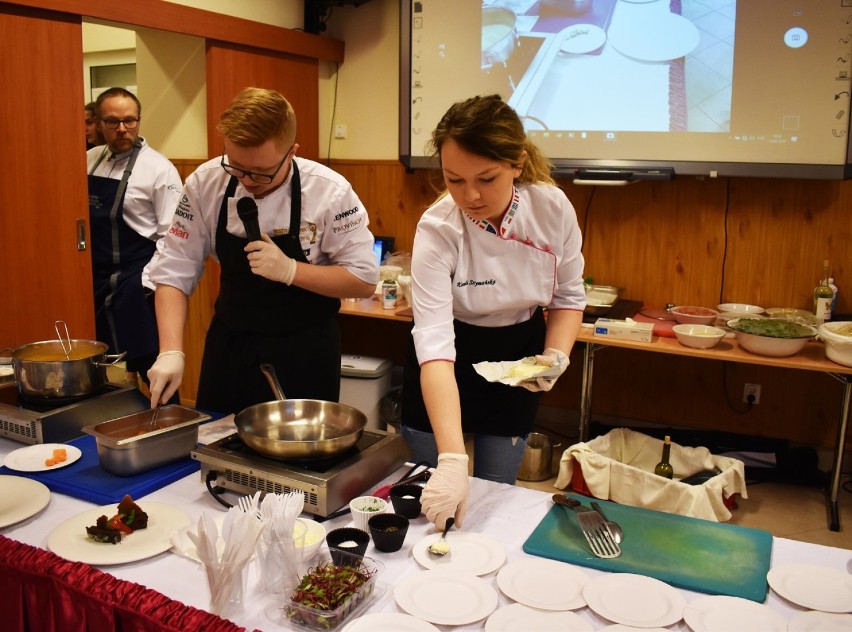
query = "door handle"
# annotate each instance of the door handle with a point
(81, 235)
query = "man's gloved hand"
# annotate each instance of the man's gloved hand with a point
(267, 260)
(446, 493)
(552, 358)
(165, 376)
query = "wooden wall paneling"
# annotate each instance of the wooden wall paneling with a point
(231, 68)
(43, 186)
(780, 232)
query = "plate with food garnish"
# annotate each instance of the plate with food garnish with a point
(118, 534)
(42, 457)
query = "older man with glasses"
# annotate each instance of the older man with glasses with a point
(133, 193)
(291, 239)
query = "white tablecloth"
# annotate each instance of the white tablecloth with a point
(506, 513)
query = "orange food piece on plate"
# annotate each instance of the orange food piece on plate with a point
(60, 455)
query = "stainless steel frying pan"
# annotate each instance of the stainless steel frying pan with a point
(298, 428)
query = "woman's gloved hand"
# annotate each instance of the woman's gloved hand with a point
(166, 375)
(447, 491)
(269, 261)
(552, 358)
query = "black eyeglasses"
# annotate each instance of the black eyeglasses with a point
(260, 178)
(129, 123)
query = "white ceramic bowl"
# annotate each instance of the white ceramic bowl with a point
(772, 346)
(723, 318)
(838, 341)
(698, 336)
(314, 538)
(693, 315)
(740, 308)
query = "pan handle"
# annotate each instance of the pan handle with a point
(272, 378)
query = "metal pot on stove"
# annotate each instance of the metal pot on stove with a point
(499, 36)
(59, 369)
(298, 428)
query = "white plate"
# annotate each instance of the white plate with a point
(543, 584)
(815, 621)
(720, 613)
(445, 598)
(518, 617)
(654, 37)
(389, 622)
(32, 458)
(814, 587)
(20, 499)
(69, 539)
(634, 600)
(617, 627)
(472, 553)
(581, 38)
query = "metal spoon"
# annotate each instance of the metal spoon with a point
(441, 547)
(614, 527)
(152, 425)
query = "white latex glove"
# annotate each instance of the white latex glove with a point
(269, 261)
(552, 358)
(447, 491)
(165, 376)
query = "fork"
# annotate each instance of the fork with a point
(593, 527)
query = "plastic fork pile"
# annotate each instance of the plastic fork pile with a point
(225, 563)
(278, 558)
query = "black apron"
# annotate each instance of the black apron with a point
(261, 321)
(123, 317)
(487, 408)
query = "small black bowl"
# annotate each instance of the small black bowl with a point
(406, 500)
(347, 536)
(388, 531)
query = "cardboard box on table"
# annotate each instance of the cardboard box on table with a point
(619, 466)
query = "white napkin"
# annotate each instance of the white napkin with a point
(513, 372)
(279, 561)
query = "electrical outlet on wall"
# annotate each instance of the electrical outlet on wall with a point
(751, 394)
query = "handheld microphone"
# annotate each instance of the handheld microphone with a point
(247, 210)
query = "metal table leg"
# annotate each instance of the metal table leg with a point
(586, 390)
(837, 469)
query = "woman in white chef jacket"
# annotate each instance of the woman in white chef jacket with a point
(500, 245)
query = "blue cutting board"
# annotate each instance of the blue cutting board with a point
(700, 555)
(87, 480)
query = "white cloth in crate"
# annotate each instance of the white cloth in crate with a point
(620, 465)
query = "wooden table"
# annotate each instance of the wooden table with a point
(810, 358)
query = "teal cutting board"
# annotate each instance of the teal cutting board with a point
(701, 555)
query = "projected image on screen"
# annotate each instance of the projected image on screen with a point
(640, 81)
(646, 45)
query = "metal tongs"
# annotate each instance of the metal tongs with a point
(67, 349)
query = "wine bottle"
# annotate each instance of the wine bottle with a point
(823, 295)
(664, 468)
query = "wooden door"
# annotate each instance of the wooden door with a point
(43, 274)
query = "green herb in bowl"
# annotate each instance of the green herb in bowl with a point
(772, 328)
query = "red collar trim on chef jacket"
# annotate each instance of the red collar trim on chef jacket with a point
(505, 224)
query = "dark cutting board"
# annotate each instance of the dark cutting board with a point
(701, 555)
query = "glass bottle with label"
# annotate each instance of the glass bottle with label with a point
(664, 468)
(823, 295)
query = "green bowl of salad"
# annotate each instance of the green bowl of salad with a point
(774, 337)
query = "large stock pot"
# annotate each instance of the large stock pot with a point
(43, 370)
